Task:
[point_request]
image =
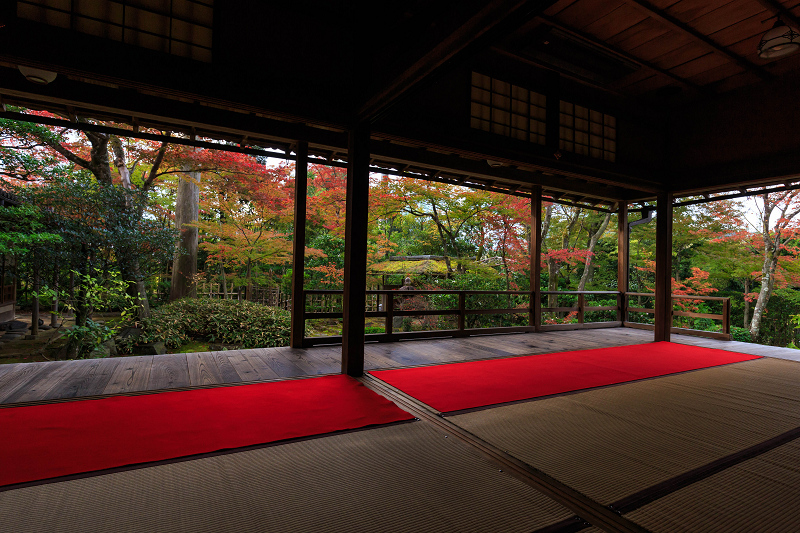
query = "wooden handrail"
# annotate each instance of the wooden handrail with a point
(725, 316)
(389, 300)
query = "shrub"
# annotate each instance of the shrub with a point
(741, 334)
(245, 324)
(374, 329)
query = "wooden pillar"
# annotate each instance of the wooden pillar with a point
(623, 259)
(535, 317)
(35, 309)
(355, 250)
(663, 306)
(54, 310)
(299, 245)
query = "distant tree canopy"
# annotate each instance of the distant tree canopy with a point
(100, 202)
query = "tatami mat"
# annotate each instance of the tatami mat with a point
(407, 477)
(610, 443)
(757, 495)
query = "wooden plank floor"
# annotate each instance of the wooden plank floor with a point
(25, 382)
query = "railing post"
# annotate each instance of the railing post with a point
(581, 305)
(726, 316)
(622, 307)
(388, 306)
(462, 310)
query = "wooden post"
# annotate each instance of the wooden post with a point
(623, 260)
(54, 311)
(581, 306)
(355, 250)
(299, 245)
(663, 304)
(35, 309)
(462, 310)
(389, 305)
(726, 316)
(535, 313)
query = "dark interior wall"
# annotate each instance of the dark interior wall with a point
(749, 134)
(292, 57)
(439, 113)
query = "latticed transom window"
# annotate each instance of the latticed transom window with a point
(505, 109)
(587, 132)
(179, 27)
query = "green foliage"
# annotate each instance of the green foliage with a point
(245, 324)
(740, 334)
(374, 329)
(21, 229)
(777, 326)
(100, 293)
(89, 337)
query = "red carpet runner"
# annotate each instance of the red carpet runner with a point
(45, 441)
(452, 387)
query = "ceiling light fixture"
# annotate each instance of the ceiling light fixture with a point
(37, 75)
(780, 41)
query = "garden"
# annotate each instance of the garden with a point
(115, 246)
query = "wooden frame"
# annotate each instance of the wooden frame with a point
(355, 251)
(663, 288)
(390, 311)
(725, 317)
(299, 244)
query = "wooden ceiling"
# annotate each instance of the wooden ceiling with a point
(658, 47)
(682, 77)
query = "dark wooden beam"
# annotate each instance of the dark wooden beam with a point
(299, 245)
(130, 106)
(495, 19)
(535, 318)
(123, 132)
(621, 53)
(707, 198)
(663, 292)
(603, 185)
(704, 40)
(355, 251)
(783, 11)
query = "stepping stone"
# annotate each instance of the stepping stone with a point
(16, 325)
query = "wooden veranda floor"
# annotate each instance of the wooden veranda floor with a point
(31, 382)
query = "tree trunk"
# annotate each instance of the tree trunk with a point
(54, 311)
(767, 283)
(141, 290)
(248, 295)
(224, 281)
(72, 289)
(35, 307)
(552, 281)
(81, 307)
(444, 240)
(589, 267)
(184, 266)
(746, 303)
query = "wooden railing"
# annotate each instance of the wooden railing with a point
(264, 295)
(392, 305)
(724, 317)
(581, 309)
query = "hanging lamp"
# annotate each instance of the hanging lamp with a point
(780, 41)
